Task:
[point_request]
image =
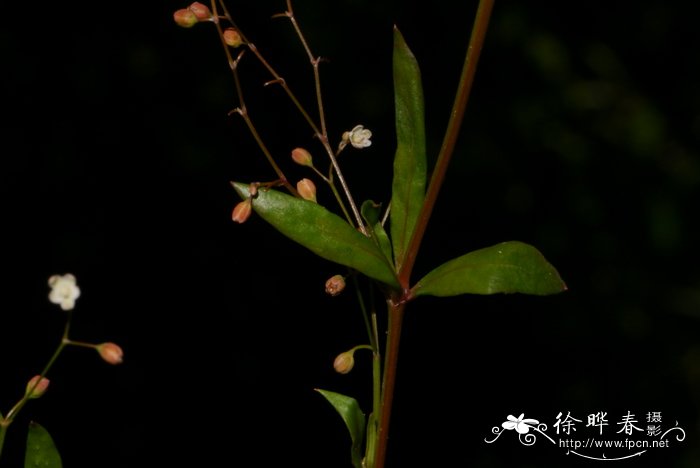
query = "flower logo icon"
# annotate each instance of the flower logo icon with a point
(521, 425)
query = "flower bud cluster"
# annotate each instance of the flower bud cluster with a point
(193, 14)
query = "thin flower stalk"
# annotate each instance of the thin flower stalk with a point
(242, 110)
(321, 132)
(64, 342)
(314, 63)
(64, 292)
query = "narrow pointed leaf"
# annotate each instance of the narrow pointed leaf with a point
(354, 418)
(509, 267)
(322, 232)
(408, 187)
(41, 451)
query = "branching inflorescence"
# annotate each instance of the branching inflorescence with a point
(236, 44)
(64, 292)
(377, 247)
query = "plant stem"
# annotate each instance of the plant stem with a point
(373, 425)
(20, 404)
(12, 414)
(376, 372)
(476, 42)
(314, 63)
(397, 306)
(3, 430)
(395, 313)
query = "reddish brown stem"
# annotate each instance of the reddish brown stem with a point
(397, 305)
(389, 380)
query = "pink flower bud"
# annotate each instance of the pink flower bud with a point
(344, 362)
(242, 211)
(232, 38)
(302, 157)
(185, 18)
(201, 11)
(111, 353)
(34, 389)
(307, 189)
(335, 285)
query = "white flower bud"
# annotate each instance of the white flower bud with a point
(358, 137)
(64, 291)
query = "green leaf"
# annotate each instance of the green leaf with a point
(371, 212)
(324, 233)
(509, 267)
(41, 451)
(408, 187)
(354, 418)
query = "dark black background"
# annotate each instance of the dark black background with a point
(581, 138)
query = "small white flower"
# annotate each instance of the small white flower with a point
(64, 291)
(359, 137)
